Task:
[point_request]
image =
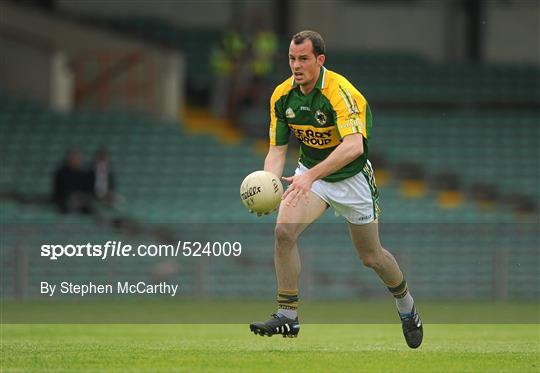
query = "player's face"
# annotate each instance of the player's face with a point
(305, 66)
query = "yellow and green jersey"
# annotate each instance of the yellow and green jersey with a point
(320, 119)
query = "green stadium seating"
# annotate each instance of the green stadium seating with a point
(499, 147)
(189, 185)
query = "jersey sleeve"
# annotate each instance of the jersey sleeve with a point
(350, 107)
(279, 129)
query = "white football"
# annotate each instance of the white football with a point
(261, 191)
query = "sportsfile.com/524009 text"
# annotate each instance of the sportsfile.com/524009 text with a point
(118, 249)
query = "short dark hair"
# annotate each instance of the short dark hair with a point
(316, 40)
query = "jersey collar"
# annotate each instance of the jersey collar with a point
(320, 81)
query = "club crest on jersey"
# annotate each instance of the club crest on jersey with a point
(289, 113)
(320, 117)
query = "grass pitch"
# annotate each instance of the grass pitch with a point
(217, 348)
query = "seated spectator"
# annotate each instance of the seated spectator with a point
(102, 178)
(72, 188)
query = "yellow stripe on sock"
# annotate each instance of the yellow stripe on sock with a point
(287, 299)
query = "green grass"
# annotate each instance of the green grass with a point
(234, 311)
(216, 348)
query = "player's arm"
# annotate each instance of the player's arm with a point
(351, 147)
(279, 136)
(275, 159)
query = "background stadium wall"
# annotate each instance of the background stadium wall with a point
(509, 29)
(70, 40)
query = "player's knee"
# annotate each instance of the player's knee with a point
(370, 260)
(285, 236)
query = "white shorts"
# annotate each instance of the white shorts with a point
(355, 198)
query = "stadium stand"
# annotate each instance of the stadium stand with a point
(172, 181)
(497, 147)
(408, 78)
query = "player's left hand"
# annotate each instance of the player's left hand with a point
(300, 187)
